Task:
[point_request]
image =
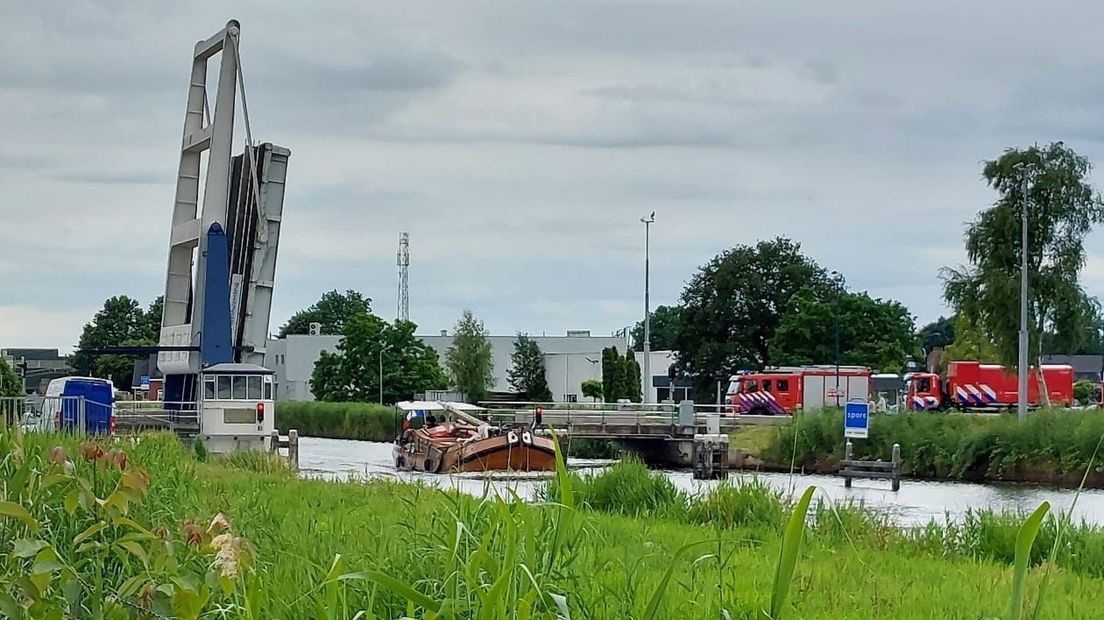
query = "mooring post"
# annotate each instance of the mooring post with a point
(846, 464)
(293, 448)
(274, 441)
(896, 467)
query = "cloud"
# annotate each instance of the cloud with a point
(519, 143)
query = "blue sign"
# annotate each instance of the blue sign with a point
(143, 381)
(856, 420)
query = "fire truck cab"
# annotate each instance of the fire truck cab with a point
(785, 390)
(973, 385)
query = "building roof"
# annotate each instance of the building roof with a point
(1082, 364)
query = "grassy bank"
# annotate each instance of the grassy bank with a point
(365, 421)
(1051, 446)
(87, 532)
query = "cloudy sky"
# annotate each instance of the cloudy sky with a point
(520, 142)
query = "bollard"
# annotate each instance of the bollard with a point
(896, 467)
(274, 441)
(293, 448)
(847, 457)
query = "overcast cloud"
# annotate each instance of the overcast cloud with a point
(520, 142)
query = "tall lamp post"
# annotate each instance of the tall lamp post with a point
(1021, 404)
(837, 277)
(647, 378)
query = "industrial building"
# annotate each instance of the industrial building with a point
(568, 361)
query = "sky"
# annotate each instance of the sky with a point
(520, 142)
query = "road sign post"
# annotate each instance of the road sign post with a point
(856, 420)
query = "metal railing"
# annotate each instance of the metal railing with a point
(638, 415)
(138, 415)
(37, 413)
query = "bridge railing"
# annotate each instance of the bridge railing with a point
(156, 414)
(570, 414)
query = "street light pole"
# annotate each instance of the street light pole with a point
(1021, 405)
(647, 378)
(837, 278)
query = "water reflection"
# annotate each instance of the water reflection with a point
(916, 502)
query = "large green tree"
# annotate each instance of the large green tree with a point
(121, 322)
(663, 329)
(352, 373)
(10, 383)
(938, 333)
(733, 305)
(873, 332)
(620, 376)
(526, 373)
(1062, 209)
(331, 311)
(469, 358)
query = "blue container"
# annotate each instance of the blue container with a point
(99, 401)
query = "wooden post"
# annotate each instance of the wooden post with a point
(896, 467)
(293, 448)
(274, 441)
(847, 457)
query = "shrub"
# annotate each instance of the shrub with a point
(366, 421)
(740, 504)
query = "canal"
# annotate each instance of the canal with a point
(916, 503)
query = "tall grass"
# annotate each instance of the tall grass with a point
(382, 549)
(364, 421)
(1051, 446)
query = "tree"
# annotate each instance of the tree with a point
(971, 344)
(873, 332)
(1062, 209)
(331, 311)
(938, 333)
(352, 373)
(526, 373)
(631, 375)
(733, 305)
(611, 374)
(592, 388)
(10, 383)
(469, 358)
(663, 329)
(121, 322)
(150, 327)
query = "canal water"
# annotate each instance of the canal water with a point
(916, 503)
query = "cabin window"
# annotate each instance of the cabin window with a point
(750, 386)
(224, 388)
(783, 385)
(923, 384)
(268, 388)
(239, 388)
(253, 387)
(766, 385)
(209, 388)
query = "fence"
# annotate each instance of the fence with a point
(39, 413)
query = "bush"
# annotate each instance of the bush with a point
(627, 488)
(365, 421)
(739, 504)
(1051, 445)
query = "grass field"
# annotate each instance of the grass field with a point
(86, 533)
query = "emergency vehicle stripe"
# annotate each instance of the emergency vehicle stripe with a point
(990, 395)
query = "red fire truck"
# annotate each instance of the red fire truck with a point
(788, 389)
(973, 385)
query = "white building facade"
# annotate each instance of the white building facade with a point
(568, 360)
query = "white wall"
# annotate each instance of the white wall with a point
(293, 360)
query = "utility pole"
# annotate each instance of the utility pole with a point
(837, 277)
(1021, 405)
(647, 378)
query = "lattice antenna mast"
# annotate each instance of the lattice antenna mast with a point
(403, 261)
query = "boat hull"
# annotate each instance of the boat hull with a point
(512, 451)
